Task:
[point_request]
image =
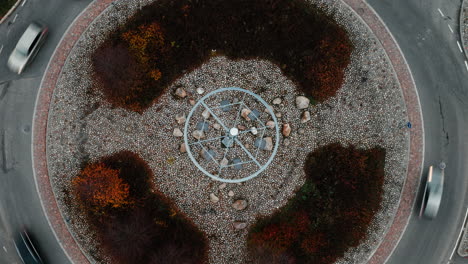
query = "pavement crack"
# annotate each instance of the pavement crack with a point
(441, 112)
(3, 152)
(3, 89)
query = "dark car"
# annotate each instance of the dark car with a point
(26, 250)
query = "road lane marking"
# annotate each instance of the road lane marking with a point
(14, 19)
(459, 46)
(440, 11)
(466, 65)
(4, 248)
(1, 48)
(24, 2)
(451, 30)
(461, 230)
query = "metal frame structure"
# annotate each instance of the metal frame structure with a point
(231, 135)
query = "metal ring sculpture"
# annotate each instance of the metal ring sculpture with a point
(231, 135)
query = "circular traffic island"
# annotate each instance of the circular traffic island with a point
(226, 132)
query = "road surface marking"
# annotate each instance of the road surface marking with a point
(466, 65)
(24, 2)
(440, 11)
(4, 248)
(14, 19)
(459, 234)
(456, 244)
(451, 30)
(1, 48)
(459, 46)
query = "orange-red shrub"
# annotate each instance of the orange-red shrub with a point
(99, 186)
(146, 41)
(150, 229)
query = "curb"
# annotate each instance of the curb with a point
(416, 149)
(80, 25)
(462, 27)
(39, 131)
(12, 9)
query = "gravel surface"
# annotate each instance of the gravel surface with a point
(464, 25)
(368, 111)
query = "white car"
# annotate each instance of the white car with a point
(27, 47)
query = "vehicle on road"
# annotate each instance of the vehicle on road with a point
(433, 191)
(26, 250)
(27, 47)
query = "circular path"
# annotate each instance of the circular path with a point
(80, 25)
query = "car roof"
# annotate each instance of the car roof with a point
(28, 37)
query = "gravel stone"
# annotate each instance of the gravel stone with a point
(302, 102)
(183, 148)
(268, 144)
(206, 114)
(198, 134)
(177, 132)
(253, 130)
(181, 93)
(214, 198)
(245, 114)
(277, 101)
(200, 91)
(239, 225)
(239, 205)
(180, 118)
(270, 124)
(305, 117)
(286, 130)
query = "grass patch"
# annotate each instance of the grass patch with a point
(329, 214)
(168, 38)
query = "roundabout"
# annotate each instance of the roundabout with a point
(290, 115)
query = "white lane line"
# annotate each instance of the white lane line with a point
(24, 2)
(459, 46)
(14, 19)
(440, 11)
(466, 65)
(466, 214)
(1, 48)
(461, 230)
(456, 244)
(450, 27)
(4, 248)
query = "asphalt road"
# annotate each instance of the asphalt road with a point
(19, 202)
(442, 81)
(422, 33)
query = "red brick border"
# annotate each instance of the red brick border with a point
(415, 163)
(39, 132)
(82, 22)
